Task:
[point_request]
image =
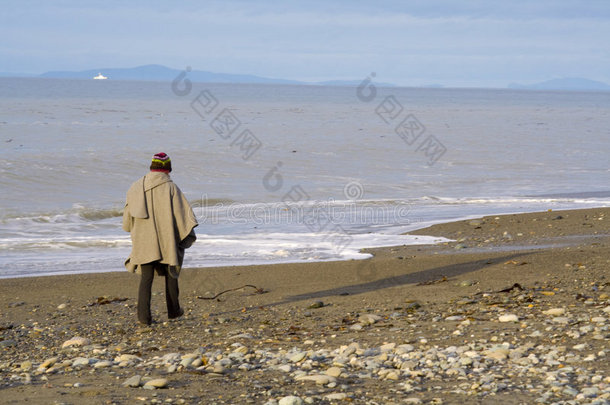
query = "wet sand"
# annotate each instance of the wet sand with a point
(515, 310)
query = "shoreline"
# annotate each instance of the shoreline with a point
(414, 321)
(427, 224)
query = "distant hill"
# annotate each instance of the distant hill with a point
(574, 84)
(162, 73)
(351, 83)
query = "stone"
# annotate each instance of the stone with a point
(103, 364)
(285, 368)
(334, 371)
(49, 362)
(555, 311)
(127, 358)
(25, 365)
(299, 356)
(319, 379)
(62, 306)
(8, 343)
(76, 341)
(392, 375)
(369, 319)
(133, 382)
(156, 383)
(508, 318)
(498, 353)
(80, 362)
(336, 396)
(291, 400)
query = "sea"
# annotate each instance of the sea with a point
(283, 173)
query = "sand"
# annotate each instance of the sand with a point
(429, 303)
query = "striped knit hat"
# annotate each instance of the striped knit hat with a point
(161, 163)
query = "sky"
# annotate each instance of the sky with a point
(413, 43)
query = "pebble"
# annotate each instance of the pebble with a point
(508, 318)
(369, 319)
(156, 383)
(103, 364)
(133, 382)
(76, 341)
(26, 365)
(291, 400)
(334, 371)
(80, 362)
(8, 343)
(555, 311)
(319, 379)
(299, 356)
(336, 396)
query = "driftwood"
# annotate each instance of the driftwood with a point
(257, 291)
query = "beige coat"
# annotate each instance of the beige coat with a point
(161, 222)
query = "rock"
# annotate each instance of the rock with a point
(156, 383)
(336, 396)
(219, 369)
(76, 341)
(291, 400)
(555, 311)
(103, 364)
(187, 362)
(334, 372)
(49, 362)
(315, 305)
(561, 319)
(285, 368)
(62, 306)
(319, 379)
(369, 319)
(412, 401)
(508, 318)
(80, 362)
(133, 382)
(392, 375)
(590, 392)
(388, 347)
(8, 343)
(299, 356)
(497, 353)
(127, 358)
(25, 365)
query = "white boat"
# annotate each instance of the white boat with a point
(100, 77)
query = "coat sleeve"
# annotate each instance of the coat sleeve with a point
(184, 218)
(126, 219)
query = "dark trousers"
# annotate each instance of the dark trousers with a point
(144, 293)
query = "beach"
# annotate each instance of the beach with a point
(515, 310)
